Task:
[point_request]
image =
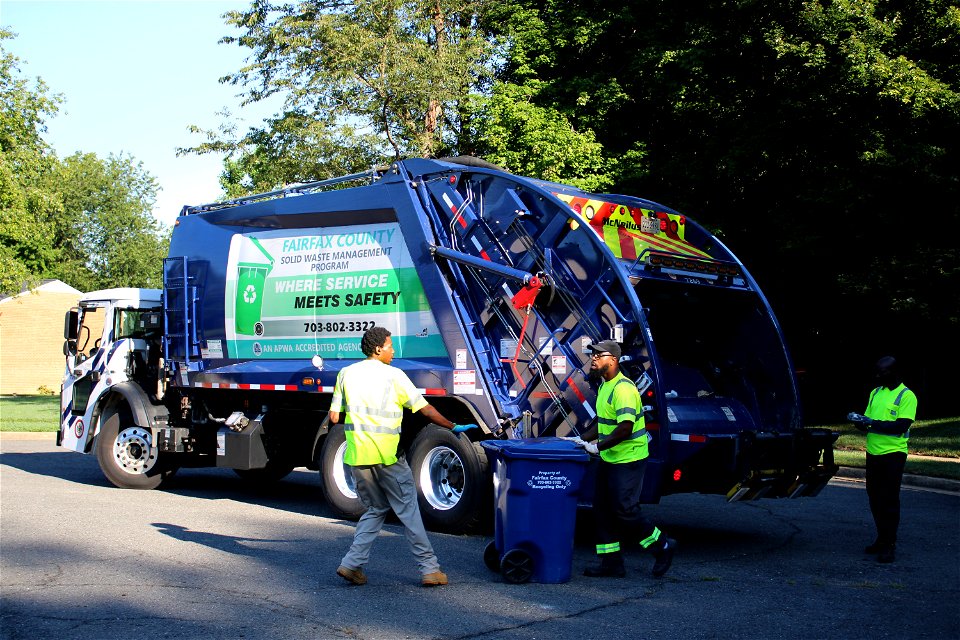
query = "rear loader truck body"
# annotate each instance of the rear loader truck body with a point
(492, 286)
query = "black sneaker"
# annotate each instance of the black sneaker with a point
(874, 548)
(664, 557)
(886, 555)
(608, 568)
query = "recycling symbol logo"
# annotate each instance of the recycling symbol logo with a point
(250, 294)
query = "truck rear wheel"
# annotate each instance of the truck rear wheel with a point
(452, 481)
(127, 456)
(336, 477)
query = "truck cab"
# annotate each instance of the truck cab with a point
(112, 340)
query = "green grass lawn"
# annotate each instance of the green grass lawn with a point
(29, 413)
(939, 438)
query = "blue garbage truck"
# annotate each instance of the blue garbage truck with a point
(492, 285)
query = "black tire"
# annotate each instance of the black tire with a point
(125, 456)
(516, 566)
(453, 484)
(491, 557)
(336, 477)
(273, 472)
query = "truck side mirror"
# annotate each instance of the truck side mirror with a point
(71, 324)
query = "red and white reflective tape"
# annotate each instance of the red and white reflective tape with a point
(683, 437)
(290, 387)
(582, 398)
(261, 387)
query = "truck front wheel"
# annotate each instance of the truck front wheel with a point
(127, 456)
(336, 477)
(452, 480)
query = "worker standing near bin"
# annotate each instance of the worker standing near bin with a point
(622, 447)
(373, 396)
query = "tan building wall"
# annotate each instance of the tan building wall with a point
(31, 338)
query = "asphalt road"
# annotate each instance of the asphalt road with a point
(210, 558)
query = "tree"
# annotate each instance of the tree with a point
(819, 137)
(531, 140)
(108, 237)
(362, 82)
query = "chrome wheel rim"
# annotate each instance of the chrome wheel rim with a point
(442, 478)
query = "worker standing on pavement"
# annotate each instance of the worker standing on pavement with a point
(373, 395)
(623, 451)
(891, 409)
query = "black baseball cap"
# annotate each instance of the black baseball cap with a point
(606, 346)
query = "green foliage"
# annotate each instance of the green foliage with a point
(83, 220)
(537, 141)
(25, 209)
(819, 138)
(109, 232)
(362, 82)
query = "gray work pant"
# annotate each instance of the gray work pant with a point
(382, 488)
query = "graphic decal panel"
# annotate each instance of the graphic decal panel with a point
(293, 293)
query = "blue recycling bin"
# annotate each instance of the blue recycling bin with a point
(535, 483)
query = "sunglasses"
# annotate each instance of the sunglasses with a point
(597, 356)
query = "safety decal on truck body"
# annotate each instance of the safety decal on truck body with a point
(629, 231)
(293, 293)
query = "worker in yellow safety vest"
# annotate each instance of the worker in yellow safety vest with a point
(622, 448)
(891, 410)
(372, 395)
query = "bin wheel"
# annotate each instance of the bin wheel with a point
(491, 557)
(516, 566)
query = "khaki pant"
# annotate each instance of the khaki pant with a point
(382, 488)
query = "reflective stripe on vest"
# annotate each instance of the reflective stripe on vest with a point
(628, 449)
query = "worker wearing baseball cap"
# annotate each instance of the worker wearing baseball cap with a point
(622, 448)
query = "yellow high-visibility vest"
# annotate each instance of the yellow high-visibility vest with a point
(618, 400)
(372, 396)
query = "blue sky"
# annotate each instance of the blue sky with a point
(134, 75)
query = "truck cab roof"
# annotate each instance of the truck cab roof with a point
(131, 295)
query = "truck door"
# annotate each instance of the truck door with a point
(87, 335)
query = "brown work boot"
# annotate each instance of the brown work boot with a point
(353, 576)
(435, 579)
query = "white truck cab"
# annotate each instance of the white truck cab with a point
(109, 336)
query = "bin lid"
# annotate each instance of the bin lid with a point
(537, 449)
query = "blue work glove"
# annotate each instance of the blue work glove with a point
(860, 421)
(460, 428)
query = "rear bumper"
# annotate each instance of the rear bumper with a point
(752, 465)
(805, 464)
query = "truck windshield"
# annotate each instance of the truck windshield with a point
(718, 342)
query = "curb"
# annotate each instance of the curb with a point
(909, 479)
(28, 435)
